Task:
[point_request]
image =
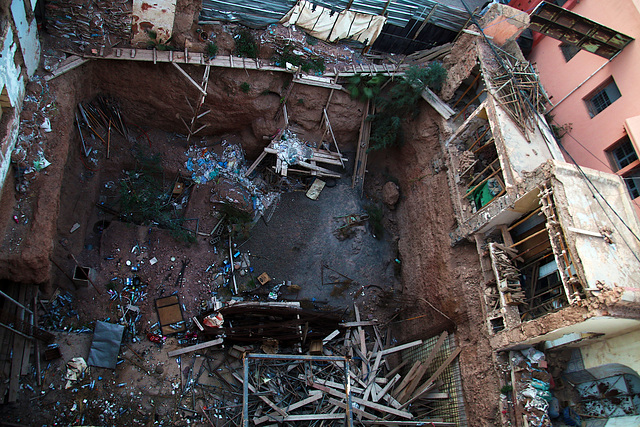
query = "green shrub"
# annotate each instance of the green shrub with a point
(375, 219)
(365, 87)
(212, 49)
(400, 103)
(245, 87)
(246, 45)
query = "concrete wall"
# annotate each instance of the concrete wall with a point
(582, 216)
(609, 327)
(560, 78)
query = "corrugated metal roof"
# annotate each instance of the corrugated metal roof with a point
(259, 13)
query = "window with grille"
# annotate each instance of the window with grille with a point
(601, 98)
(633, 183)
(622, 154)
(569, 51)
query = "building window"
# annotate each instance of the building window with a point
(602, 97)
(569, 51)
(633, 183)
(622, 154)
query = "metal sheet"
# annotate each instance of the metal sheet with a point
(574, 29)
(259, 13)
(105, 346)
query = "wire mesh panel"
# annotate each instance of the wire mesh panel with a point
(450, 409)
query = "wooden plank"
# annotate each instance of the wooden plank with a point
(440, 106)
(431, 382)
(359, 412)
(366, 403)
(333, 384)
(68, 64)
(331, 336)
(314, 397)
(401, 347)
(252, 389)
(413, 384)
(256, 163)
(195, 347)
(309, 82)
(193, 82)
(308, 417)
(436, 348)
(363, 344)
(326, 117)
(355, 324)
(387, 387)
(316, 168)
(410, 375)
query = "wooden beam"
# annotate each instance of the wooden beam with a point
(401, 347)
(326, 117)
(359, 412)
(316, 396)
(355, 324)
(195, 347)
(193, 82)
(431, 382)
(366, 403)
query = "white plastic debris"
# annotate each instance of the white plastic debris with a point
(46, 125)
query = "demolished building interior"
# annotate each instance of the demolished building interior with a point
(204, 222)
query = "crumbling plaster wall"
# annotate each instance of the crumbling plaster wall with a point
(157, 16)
(554, 326)
(27, 30)
(581, 216)
(12, 80)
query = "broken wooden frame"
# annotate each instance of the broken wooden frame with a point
(283, 415)
(532, 241)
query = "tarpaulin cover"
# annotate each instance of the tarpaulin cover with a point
(106, 345)
(327, 25)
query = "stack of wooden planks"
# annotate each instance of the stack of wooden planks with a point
(351, 380)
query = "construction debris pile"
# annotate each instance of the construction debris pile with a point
(532, 387)
(99, 23)
(519, 90)
(284, 367)
(205, 165)
(98, 118)
(28, 157)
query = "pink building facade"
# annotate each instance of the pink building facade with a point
(596, 100)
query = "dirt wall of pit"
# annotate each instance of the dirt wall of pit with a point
(434, 274)
(151, 96)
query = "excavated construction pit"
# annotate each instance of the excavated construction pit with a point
(412, 274)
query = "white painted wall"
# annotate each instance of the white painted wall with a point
(611, 264)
